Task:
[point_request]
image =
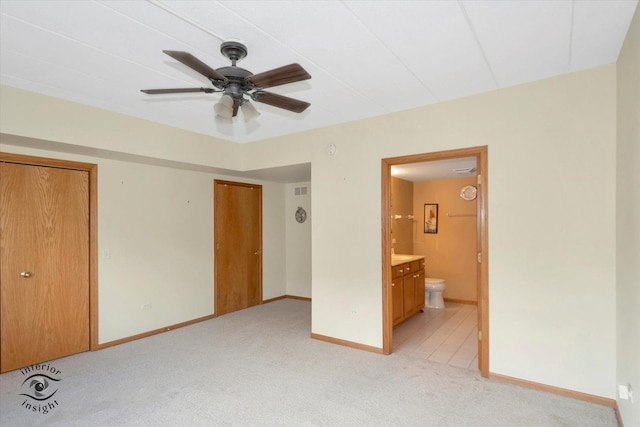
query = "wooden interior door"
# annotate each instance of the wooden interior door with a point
(238, 246)
(44, 264)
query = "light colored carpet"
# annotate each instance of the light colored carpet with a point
(258, 367)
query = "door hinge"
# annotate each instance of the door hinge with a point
(479, 179)
(479, 335)
(480, 257)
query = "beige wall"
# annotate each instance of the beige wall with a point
(74, 124)
(551, 152)
(157, 225)
(451, 253)
(298, 241)
(627, 221)
(552, 158)
(402, 204)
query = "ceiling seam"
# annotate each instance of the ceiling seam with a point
(66, 69)
(573, 5)
(477, 39)
(373, 101)
(185, 19)
(87, 45)
(388, 49)
(106, 5)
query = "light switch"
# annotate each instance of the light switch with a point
(623, 392)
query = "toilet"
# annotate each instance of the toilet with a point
(433, 288)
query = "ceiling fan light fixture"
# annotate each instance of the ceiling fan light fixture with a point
(224, 107)
(248, 110)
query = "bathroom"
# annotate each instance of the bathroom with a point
(449, 248)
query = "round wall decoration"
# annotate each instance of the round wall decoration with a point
(301, 215)
(469, 192)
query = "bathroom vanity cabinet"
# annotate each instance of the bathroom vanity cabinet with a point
(407, 287)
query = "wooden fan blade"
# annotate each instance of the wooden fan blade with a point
(280, 101)
(236, 106)
(279, 76)
(182, 90)
(195, 64)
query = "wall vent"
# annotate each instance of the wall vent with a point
(301, 191)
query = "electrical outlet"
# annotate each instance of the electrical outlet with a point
(146, 306)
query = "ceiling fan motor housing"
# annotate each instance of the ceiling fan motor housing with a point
(233, 50)
(236, 83)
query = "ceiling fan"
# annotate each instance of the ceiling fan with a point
(235, 82)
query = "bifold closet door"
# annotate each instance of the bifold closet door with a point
(44, 264)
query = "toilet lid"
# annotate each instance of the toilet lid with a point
(433, 280)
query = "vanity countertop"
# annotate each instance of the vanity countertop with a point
(397, 259)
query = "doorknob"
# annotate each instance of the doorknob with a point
(26, 274)
(257, 252)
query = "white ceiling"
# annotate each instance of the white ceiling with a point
(366, 58)
(463, 167)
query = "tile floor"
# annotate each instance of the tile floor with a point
(445, 336)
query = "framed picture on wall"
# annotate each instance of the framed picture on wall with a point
(431, 218)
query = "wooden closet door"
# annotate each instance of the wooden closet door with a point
(44, 264)
(238, 246)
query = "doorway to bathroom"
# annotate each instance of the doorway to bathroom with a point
(389, 217)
